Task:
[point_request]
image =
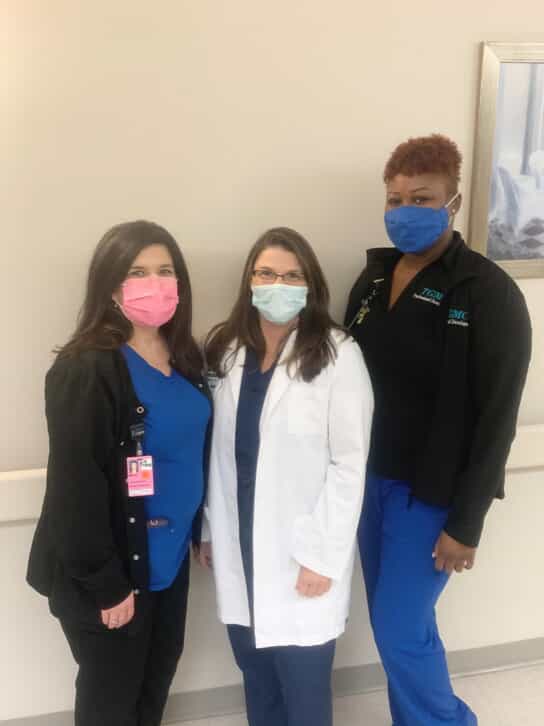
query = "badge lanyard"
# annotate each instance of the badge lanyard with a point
(365, 304)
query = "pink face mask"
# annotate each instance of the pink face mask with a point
(151, 300)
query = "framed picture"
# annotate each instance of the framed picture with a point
(507, 209)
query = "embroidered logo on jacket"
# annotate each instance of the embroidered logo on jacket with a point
(429, 295)
(458, 317)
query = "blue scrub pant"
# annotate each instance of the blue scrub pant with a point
(284, 686)
(397, 534)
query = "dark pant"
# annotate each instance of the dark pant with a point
(284, 686)
(124, 675)
(397, 535)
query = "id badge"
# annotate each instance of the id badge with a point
(140, 476)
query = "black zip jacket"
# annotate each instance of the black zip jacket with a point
(90, 546)
(484, 366)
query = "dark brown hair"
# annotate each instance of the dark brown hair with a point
(435, 154)
(102, 325)
(314, 349)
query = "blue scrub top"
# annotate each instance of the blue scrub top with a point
(175, 432)
(250, 405)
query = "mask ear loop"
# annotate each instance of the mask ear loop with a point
(452, 216)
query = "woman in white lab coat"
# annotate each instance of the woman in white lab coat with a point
(293, 407)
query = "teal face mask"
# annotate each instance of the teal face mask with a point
(278, 303)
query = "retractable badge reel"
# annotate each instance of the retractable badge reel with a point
(212, 379)
(140, 467)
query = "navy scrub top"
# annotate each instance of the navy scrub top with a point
(250, 405)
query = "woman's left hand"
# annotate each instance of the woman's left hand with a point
(310, 584)
(450, 555)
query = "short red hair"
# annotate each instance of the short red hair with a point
(435, 154)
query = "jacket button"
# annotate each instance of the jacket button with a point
(135, 557)
(140, 409)
(136, 591)
(121, 443)
(132, 519)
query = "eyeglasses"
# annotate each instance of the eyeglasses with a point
(289, 278)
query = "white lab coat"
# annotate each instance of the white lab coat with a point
(314, 440)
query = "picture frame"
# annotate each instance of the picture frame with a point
(507, 206)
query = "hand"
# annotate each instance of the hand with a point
(203, 555)
(310, 584)
(119, 615)
(450, 555)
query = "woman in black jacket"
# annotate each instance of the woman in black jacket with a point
(128, 416)
(446, 337)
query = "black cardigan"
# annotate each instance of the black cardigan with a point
(483, 373)
(90, 546)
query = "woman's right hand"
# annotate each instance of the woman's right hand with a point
(119, 615)
(204, 555)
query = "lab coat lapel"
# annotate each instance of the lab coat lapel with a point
(281, 380)
(235, 373)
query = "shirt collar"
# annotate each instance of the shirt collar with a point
(453, 261)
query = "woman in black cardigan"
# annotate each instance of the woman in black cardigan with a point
(113, 558)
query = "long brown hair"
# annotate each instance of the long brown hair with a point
(101, 324)
(314, 348)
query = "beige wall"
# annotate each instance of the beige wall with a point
(219, 119)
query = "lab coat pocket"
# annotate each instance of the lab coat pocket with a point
(317, 614)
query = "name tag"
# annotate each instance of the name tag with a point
(157, 522)
(140, 476)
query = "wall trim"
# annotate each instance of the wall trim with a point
(21, 495)
(21, 492)
(349, 681)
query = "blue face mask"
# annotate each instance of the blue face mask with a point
(279, 304)
(414, 230)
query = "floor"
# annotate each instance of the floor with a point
(504, 698)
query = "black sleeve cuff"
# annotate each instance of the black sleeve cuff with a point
(466, 530)
(108, 586)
